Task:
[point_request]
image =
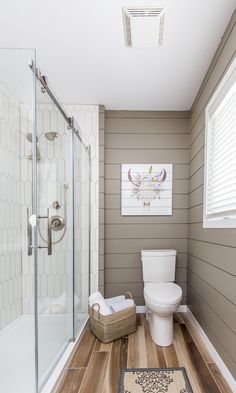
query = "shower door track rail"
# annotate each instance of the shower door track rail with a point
(70, 121)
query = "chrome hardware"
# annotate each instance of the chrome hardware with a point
(49, 231)
(49, 221)
(57, 223)
(29, 234)
(51, 135)
(56, 205)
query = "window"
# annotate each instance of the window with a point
(220, 155)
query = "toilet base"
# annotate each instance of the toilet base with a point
(161, 329)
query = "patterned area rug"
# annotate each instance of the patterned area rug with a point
(154, 380)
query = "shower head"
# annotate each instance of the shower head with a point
(29, 138)
(51, 136)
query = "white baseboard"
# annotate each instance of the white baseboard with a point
(212, 351)
(142, 309)
(182, 308)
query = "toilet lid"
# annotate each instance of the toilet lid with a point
(162, 293)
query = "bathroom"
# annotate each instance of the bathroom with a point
(73, 121)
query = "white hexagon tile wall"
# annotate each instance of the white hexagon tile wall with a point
(10, 210)
(53, 172)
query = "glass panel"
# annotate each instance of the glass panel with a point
(54, 192)
(81, 233)
(17, 334)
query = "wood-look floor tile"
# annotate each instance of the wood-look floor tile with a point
(198, 340)
(113, 369)
(84, 350)
(100, 347)
(93, 380)
(170, 356)
(178, 318)
(207, 381)
(184, 360)
(72, 381)
(138, 320)
(137, 352)
(218, 377)
(117, 361)
(132, 359)
(152, 357)
(160, 356)
(142, 319)
(124, 352)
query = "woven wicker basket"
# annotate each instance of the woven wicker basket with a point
(111, 327)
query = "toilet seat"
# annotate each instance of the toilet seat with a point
(162, 293)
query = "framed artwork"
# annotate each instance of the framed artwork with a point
(146, 189)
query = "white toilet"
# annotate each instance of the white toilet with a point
(162, 296)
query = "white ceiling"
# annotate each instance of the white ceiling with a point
(80, 46)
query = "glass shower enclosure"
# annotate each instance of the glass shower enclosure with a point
(44, 227)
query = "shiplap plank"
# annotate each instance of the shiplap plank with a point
(179, 216)
(146, 231)
(141, 141)
(123, 260)
(113, 171)
(130, 156)
(135, 245)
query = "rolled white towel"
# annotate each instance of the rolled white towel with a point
(122, 305)
(104, 308)
(115, 299)
(94, 297)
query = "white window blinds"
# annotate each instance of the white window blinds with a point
(220, 193)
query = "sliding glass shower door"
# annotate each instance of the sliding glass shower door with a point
(61, 205)
(44, 226)
(53, 181)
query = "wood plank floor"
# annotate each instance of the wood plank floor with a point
(95, 367)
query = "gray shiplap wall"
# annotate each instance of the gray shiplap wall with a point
(144, 137)
(211, 252)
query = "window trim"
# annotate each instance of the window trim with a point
(227, 221)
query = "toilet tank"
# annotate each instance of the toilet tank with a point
(158, 265)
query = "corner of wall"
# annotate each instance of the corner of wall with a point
(101, 197)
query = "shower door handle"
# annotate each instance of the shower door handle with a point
(49, 231)
(49, 218)
(29, 234)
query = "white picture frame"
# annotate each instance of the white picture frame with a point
(146, 189)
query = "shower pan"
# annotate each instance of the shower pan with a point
(45, 226)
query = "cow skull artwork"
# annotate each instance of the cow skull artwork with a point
(146, 189)
(146, 186)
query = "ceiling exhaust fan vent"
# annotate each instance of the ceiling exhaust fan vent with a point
(143, 26)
